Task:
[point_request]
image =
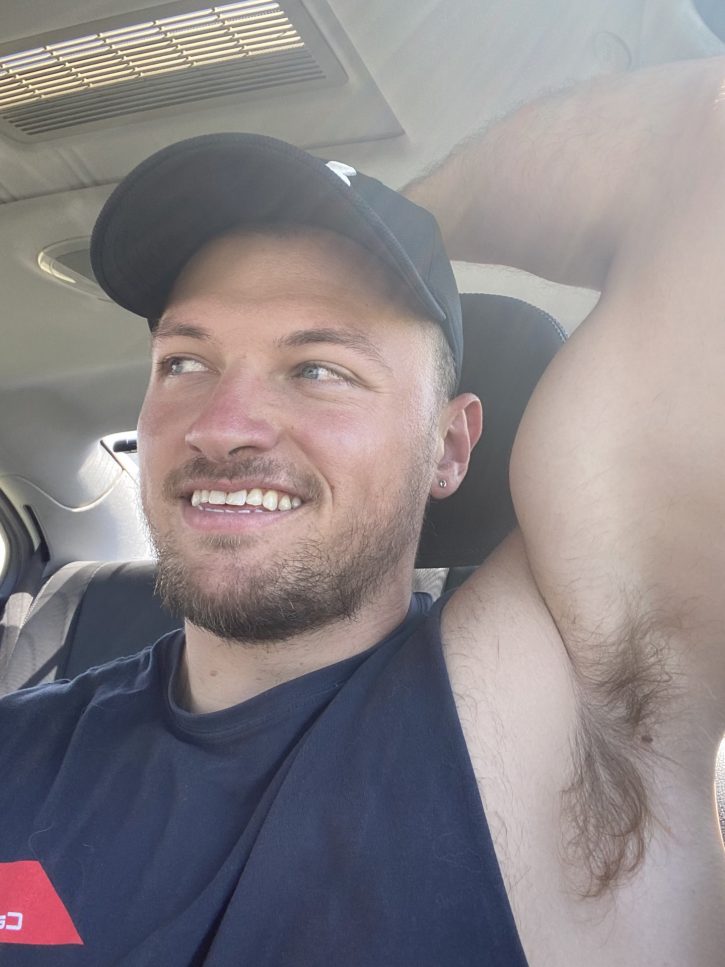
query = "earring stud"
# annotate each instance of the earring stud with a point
(442, 484)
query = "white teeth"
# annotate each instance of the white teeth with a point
(256, 497)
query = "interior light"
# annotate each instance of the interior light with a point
(250, 28)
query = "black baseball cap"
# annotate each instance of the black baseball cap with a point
(174, 202)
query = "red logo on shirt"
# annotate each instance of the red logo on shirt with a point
(31, 911)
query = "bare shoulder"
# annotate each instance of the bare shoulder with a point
(499, 639)
(517, 703)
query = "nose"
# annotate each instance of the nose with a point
(237, 415)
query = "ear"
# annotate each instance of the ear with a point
(460, 425)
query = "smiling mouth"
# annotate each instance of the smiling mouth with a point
(245, 501)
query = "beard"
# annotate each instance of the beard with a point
(312, 584)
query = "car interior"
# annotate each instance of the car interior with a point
(88, 88)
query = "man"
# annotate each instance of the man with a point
(298, 780)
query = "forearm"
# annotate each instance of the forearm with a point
(560, 185)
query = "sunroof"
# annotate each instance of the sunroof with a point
(199, 38)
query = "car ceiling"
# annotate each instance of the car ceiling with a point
(422, 75)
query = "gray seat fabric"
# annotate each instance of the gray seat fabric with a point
(87, 613)
(17, 608)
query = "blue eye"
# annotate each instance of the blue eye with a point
(180, 366)
(320, 373)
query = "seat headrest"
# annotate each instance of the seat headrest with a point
(508, 345)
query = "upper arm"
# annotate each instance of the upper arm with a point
(618, 470)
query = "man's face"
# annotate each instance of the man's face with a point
(284, 370)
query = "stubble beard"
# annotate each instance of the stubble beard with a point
(313, 585)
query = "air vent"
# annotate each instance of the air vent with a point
(168, 57)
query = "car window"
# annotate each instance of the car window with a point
(4, 554)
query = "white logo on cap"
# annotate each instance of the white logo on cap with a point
(342, 170)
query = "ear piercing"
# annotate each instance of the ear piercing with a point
(442, 484)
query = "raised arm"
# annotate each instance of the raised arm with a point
(618, 471)
(557, 187)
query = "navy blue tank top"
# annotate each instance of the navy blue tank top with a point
(333, 821)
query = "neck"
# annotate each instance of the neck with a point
(216, 674)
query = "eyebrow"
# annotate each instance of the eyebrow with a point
(352, 339)
(166, 330)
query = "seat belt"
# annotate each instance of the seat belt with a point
(40, 641)
(430, 579)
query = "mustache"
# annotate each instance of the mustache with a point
(177, 482)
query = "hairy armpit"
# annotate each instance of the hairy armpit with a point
(626, 686)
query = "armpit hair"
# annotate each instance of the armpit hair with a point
(625, 682)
